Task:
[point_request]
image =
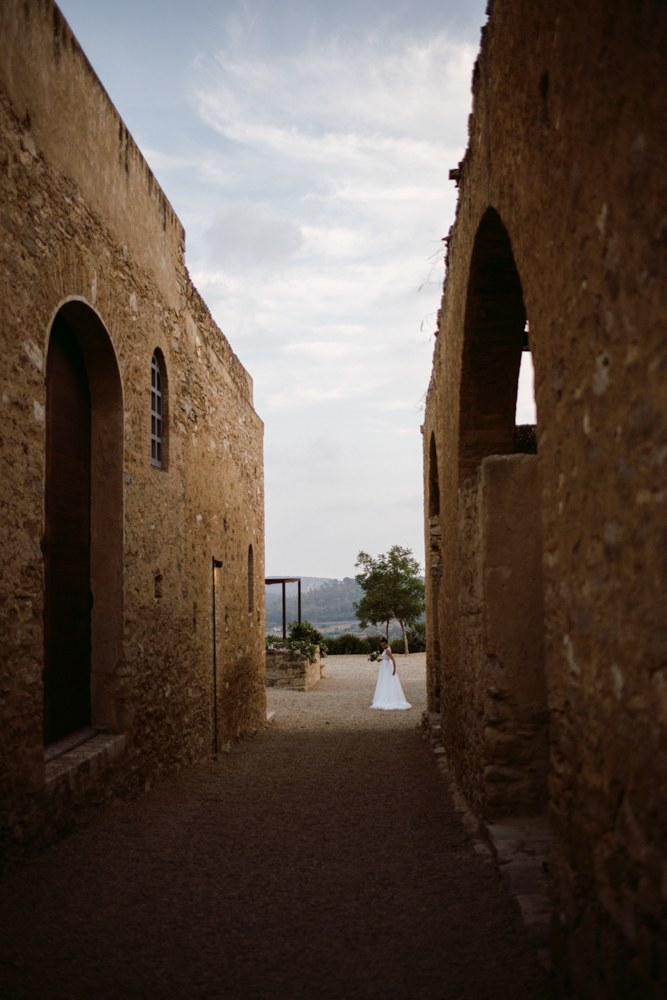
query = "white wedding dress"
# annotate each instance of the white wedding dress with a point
(388, 690)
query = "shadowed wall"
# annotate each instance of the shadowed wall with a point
(561, 220)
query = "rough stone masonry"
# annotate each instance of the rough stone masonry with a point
(546, 573)
(89, 245)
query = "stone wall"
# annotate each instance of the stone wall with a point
(497, 727)
(464, 658)
(285, 668)
(515, 712)
(86, 233)
(561, 221)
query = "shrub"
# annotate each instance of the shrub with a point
(348, 643)
(304, 631)
(302, 638)
(417, 637)
(345, 644)
(373, 643)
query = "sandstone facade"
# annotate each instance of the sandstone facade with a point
(546, 575)
(88, 239)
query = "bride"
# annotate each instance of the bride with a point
(388, 690)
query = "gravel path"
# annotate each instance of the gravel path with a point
(321, 859)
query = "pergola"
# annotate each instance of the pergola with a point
(283, 580)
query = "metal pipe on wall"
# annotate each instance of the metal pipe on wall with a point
(215, 564)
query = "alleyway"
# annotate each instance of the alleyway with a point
(321, 859)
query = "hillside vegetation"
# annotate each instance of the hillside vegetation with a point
(331, 601)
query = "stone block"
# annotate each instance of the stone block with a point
(288, 669)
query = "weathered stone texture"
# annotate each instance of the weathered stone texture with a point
(85, 228)
(561, 219)
(515, 703)
(495, 671)
(285, 668)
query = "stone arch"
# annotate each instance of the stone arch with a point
(77, 321)
(500, 538)
(495, 321)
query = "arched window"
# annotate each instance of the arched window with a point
(495, 323)
(504, 505)
(156, 412)
(251, 581)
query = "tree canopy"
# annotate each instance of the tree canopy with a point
(392, 589)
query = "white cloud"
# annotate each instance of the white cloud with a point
(326, 179)
(244, 236)
(305, 145)
(358, 93)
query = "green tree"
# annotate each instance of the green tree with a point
(392, 589)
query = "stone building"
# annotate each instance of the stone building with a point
(131, 461)
(546, 572)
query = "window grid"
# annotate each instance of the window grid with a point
(156, 413)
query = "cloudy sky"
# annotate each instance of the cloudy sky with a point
(305, 145)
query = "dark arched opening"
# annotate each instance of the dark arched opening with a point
(83, 524)
(495, 322)
(66, 538)
(500, 544)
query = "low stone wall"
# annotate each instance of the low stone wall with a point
(285, 668)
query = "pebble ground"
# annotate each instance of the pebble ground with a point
(322, 859)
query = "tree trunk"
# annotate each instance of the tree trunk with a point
(387, 631)
(405, 636)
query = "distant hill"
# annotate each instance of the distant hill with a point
(322, 600)
(274, 591)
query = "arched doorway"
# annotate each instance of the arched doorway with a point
(501, 619)
(83, 541)
(67, 538)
